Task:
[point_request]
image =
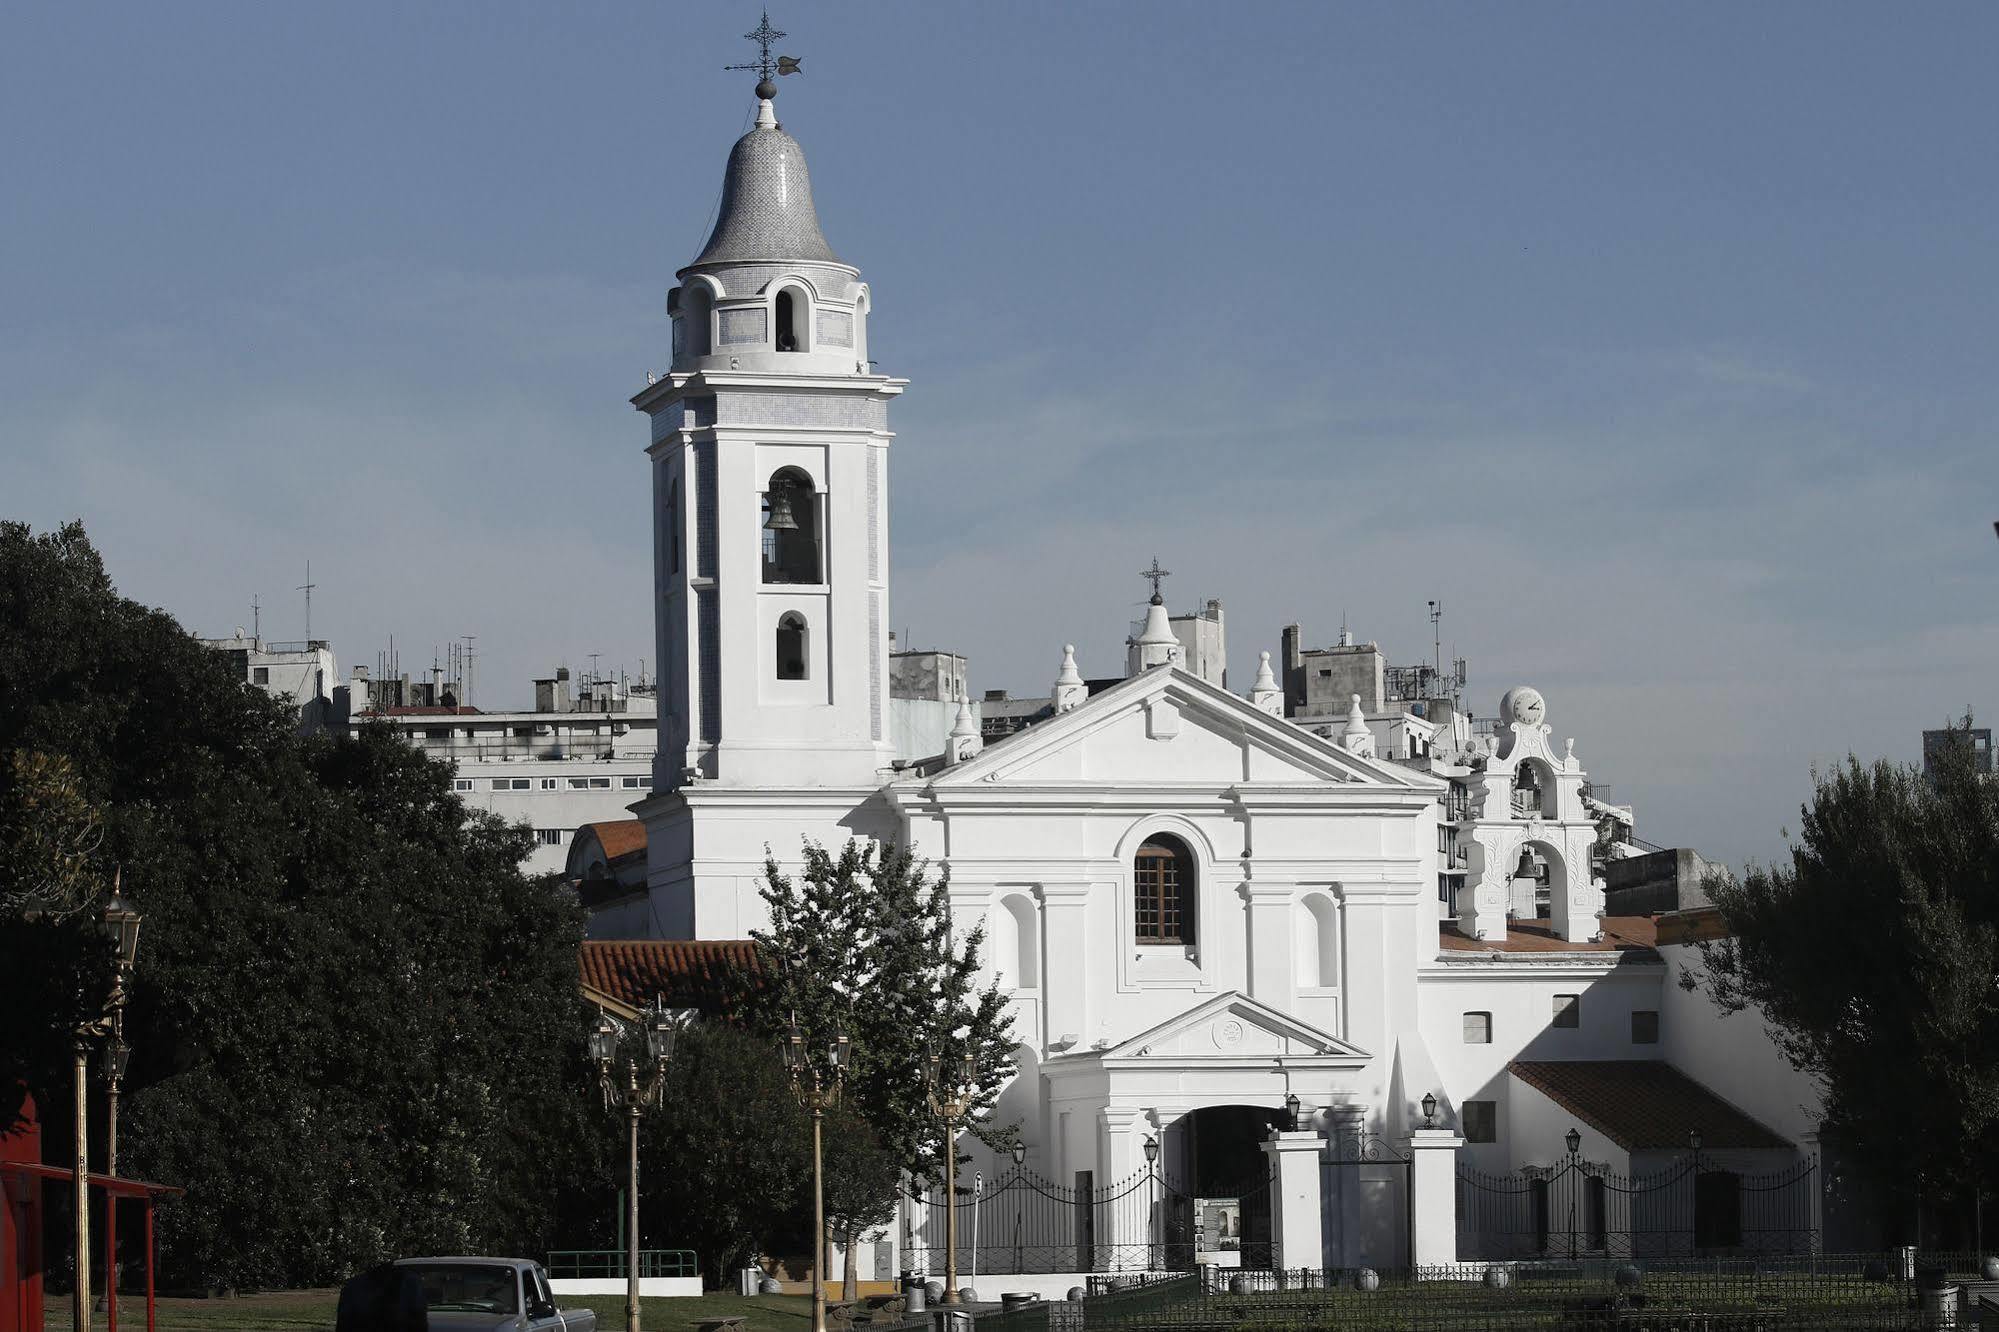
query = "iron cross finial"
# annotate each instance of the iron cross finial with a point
(1155, 573)
(766, 64)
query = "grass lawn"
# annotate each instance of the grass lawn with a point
(312, 1311)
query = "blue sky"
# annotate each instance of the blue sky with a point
(1656, 341)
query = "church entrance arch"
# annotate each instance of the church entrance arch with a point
(1215, 1186)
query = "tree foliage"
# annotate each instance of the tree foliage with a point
(1874, 955)
(863, 941)
(354, 1020)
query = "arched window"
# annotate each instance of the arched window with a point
(1163, 892)
(1316, 940)
(692, 325)
(1015, 947)
(791, 646)
(791, 528)
(790, 321)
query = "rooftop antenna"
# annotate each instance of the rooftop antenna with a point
(470, 653)
(595, 674)
(306, 587)
(1437, 638)
(256, 618)
(1155, 573)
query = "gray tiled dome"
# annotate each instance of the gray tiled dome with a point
(767, 211)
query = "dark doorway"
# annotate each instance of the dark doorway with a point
(1718, 1210)
(1219, 1180)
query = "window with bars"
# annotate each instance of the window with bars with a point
(1163, 892)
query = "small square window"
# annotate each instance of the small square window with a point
(1568, 1010)
(261, 675)
(549, 836)
(500, 783)
(461, 784)
(1481, 1120)
(548, 783)
(1478, 1029)
(1645, 1026)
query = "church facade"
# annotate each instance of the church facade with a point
(1232, 976)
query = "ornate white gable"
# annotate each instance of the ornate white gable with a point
(1169, 727)
(1233, 1028)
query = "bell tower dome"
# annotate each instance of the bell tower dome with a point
(770, 487)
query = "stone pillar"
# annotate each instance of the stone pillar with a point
(1482, 901)
(1270, 944)
(1433, 1196)
(1813, 1148)
(1297, 1199)
(1125, 1234)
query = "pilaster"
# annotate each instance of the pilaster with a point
(1270, 949)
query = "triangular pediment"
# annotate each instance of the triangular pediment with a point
(1232, 1027)
(1169, 727)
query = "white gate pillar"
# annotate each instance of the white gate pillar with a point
(1433, 1196)
(1297, 1199)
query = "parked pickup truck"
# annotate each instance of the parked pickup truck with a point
(492, 1295)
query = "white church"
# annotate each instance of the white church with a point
(1249, 1031)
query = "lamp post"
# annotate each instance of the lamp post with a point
(1291, 1106)
(119, 924)
(816, 1083)
(1429, 1110)
(634, 1099)
(1019, 1159)
(953, 1104)
(1575, 1141)
(1152, 1202)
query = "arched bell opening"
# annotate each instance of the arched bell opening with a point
(791, 514)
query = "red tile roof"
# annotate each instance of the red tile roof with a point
(618, 837)
(1642, 1103)
(690, 973)
(1621, 934)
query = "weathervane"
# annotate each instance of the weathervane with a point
(765, 64)
(1155, 573)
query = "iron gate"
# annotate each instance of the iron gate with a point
(1026, 1223)
(1580, 1209)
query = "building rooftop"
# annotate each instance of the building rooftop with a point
(1621, 934)
(688, 973)
(1643, 1103)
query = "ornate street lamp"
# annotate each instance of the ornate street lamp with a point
(816, 1083)
(119, 924)
(1694, 1140)
(1575, 1141)
(1291, 1104)
(1019, 1161)
(1429, 1109)
(1152, 1183)
(951, 1102)
(634, 1099)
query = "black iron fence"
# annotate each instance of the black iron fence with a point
(1148, 1221)
(1579, 1209)
(1830, 1292)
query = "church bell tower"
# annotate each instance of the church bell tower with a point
(770, 497)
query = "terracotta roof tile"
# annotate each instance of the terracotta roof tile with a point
(1642, 1103)
(1621, 934)
(690, 973)
(618, 837)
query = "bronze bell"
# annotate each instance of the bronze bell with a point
(780, 518)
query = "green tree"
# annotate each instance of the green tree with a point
(723, 1160)
(1874, 955)
(354, 1020)
(863, 941)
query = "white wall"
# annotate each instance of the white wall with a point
(1520, 995)
(563, 809)
(1733, 1054)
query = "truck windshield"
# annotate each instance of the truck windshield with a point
(483, 1287)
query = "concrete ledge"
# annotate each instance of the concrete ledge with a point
(653, 1287)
